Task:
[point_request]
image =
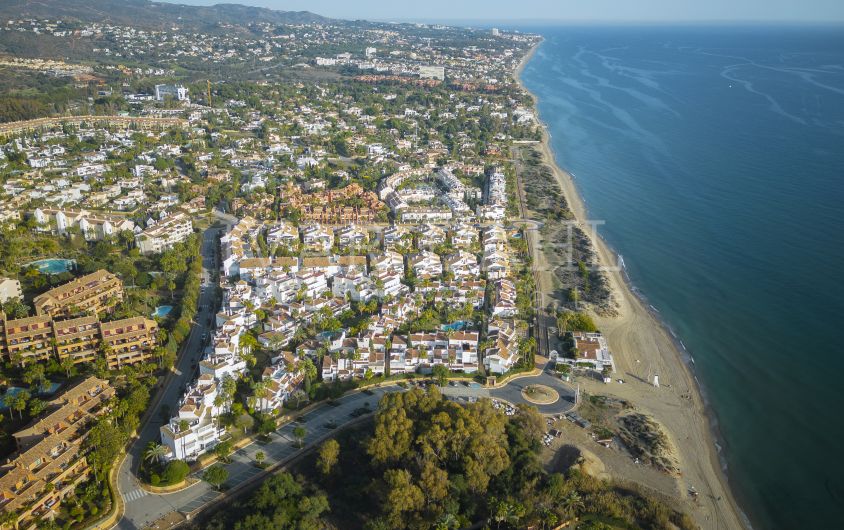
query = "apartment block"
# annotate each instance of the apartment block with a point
(27, 340)
(93, 293)
(38, 338)
(77, 338)
(129, 341)
(164, 234)
(50, 461)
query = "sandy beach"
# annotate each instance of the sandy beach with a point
(642, 347)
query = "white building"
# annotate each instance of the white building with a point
(165, 233)
(10, 288)
(432, 72)
(177, 92)
(195, 429)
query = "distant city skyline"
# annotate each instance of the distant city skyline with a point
(562, 10)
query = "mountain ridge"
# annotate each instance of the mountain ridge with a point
(153, 15)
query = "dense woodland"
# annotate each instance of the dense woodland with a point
(427, 462)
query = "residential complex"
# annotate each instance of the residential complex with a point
(163, 234)
(83, 339)
(50, 459)
(92, 293)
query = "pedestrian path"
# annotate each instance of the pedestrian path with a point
(134, 495)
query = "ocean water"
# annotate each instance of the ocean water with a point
(716, 157)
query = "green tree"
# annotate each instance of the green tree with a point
(440, 373)
(223, 450)
(299, 433)
(176, 471)
(328, 456)
(36, 407)
(34, 375)
(68, 366)
(216, 475)
(244, 422)
(402, 496)
(105, 441)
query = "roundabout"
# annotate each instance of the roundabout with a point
(539, 394)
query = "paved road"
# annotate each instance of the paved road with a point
(185, 371)
(512, 392)
(143, 509)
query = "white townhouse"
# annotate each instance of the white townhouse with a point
(283, 235)
(388, 283)
(94, 226)
(281, 383)
(315, 238)
(462, 264)
(350, 236)
(503, 352)
(394, 235)
(430, 235)
(463, 235)
(389, 260)
(503, 299)
(425, 265)
(196, 428)
(354, 284)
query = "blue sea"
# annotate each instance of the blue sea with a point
(716, 157)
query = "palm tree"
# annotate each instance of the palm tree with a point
(155, 452)
(183, 426)
(446, 522)
(67, 365)
(261, 391)
(572, 503)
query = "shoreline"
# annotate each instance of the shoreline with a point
(683, 411)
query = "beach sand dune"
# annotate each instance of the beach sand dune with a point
(642, 347)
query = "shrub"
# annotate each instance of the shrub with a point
(176, 471)
(154, 479)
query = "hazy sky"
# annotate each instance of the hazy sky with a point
(562, 10)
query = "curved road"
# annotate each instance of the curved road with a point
(146, 510)
(174, 384)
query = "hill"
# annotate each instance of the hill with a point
(152, 15)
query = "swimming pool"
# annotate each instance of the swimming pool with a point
(454, 326)
(11, 391)
(162, 311)
(53, 265)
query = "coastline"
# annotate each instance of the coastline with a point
(641, 341)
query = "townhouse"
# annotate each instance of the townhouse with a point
(196, 428)
(315, 238)
(350, 236)
(93, 226)
(284, 236)
(503, 352)
(281, 382)
(503, 302)
(425, 265)
(462, 264)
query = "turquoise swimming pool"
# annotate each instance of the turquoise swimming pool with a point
(53, 265)
(10, 392)
(162, 311)
(454, 326)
